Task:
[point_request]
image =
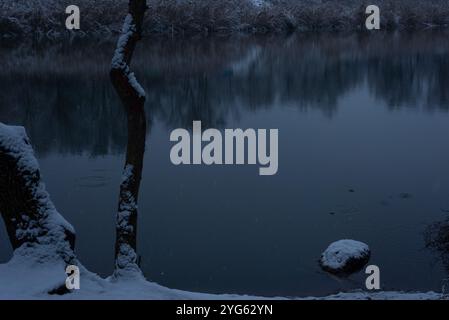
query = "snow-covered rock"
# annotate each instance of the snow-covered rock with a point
(345, 256)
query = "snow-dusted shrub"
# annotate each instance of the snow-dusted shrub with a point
(11, 27)
(436, 237)
(47, 17)
(205, 17)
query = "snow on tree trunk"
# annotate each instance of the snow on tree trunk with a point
(32, 222)
(132, 96)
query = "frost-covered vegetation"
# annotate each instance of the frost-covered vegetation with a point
(46, 18)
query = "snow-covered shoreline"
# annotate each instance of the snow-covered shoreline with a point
(26, 278)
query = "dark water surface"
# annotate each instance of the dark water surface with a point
(367, 114)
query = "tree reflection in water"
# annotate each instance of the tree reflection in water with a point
(67, 104)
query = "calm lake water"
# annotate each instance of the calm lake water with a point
(363, 153)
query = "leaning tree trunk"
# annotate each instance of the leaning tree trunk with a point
(132, 96)
(31, 220)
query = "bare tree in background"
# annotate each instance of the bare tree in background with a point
(132, 96)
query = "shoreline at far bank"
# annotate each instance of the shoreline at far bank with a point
(103, 18)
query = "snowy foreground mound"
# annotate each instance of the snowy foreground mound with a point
(25, 278)
(345, 256)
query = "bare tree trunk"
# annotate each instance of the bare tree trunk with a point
(133, 99)
(30, 217)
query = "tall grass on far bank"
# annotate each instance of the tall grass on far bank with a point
(100, 18)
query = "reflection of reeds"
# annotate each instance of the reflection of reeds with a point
(57, 92)
(177, 58)
(45, 18)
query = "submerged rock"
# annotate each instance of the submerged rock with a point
(405, 195)
(345, 257)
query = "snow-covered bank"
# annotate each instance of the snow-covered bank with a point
(29, 277)
(24, 277)
(184, 17)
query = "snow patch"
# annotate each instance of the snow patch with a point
(26, 278)
(128, 203)
(258, 3)
(118, 60)
(127, 173)
(135, 84)
(128, 28)
(14, 141)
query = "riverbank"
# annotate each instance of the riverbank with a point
(30, 279)
(46, 19)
